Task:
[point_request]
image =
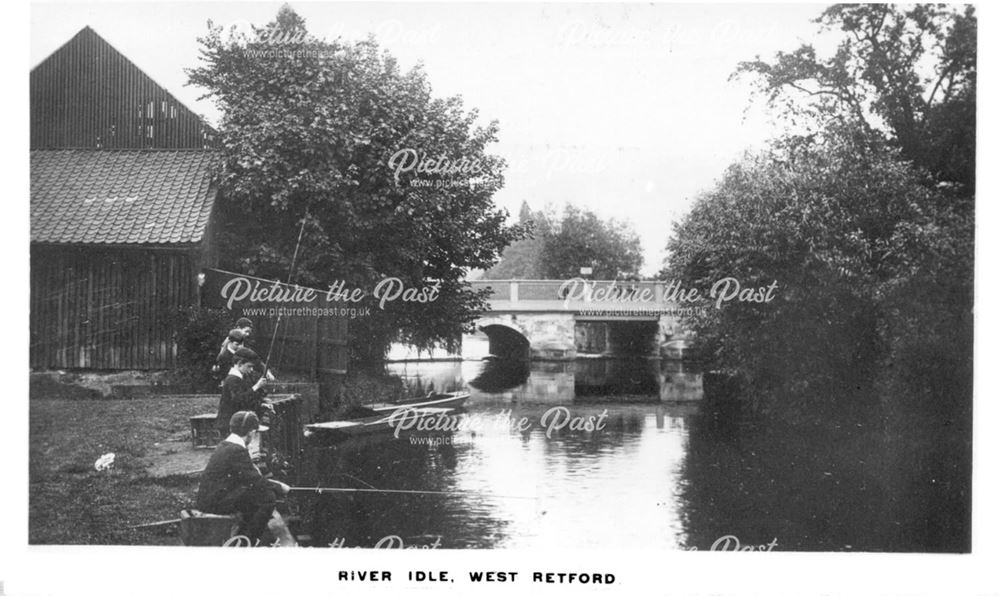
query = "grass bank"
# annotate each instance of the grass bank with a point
(72, 503)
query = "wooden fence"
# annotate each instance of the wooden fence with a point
(285, 431)
(312, 344)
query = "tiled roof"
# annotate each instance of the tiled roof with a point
(81, 196)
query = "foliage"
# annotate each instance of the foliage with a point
(863, 214)
(559, 247)
(200, 332)
(522, 259)
(872, 262)
(309, 131)
(908, 73)
(582, 239)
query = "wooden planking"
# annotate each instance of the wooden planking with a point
(107, 309)
(286, 425)
(87, 94)
(308, 344)
(304, 344)
(332, 345)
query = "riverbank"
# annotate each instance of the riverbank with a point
(156, 469)
(154, 476)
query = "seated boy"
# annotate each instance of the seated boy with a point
(232, 484)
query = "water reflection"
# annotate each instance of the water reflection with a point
(533, 488)
(850, 483)
(617, 377)
(501, 375)
(602, 379)
(666, 470)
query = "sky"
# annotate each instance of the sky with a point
(624, 109)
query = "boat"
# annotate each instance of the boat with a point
(384, 422)
(455, 399)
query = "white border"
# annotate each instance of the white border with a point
(150, 570)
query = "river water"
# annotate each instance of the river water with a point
(607, 453)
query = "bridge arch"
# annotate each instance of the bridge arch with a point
(506, 341)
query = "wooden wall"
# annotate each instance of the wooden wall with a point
(87, 94)
(311, 344)
(108, 309)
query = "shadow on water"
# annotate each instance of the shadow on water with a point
(612, 380)
(679, 471)
(614, 377)
(501, 375)
(854, 481)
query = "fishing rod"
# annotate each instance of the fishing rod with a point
(323, 490)
(291, 271)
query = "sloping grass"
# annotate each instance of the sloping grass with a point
(72, 503)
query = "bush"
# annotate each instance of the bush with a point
(200, 332)
(873, 263)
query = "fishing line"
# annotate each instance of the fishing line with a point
(323, 490)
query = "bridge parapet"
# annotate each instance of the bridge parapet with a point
(638, 299)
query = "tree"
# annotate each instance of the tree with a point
(871, 261)
(522, 259)
(559, 247)
(382, 178)
(864, 215)
(581, 239)
(909, 74)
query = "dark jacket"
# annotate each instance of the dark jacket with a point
(228, 477)
(237, 395)
(225, 360)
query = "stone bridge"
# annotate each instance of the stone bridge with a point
(557, 319)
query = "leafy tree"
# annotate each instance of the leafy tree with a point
(312, 132)
(909, 74)
(864, 216)
(522, 259)
(559, 247)
(872, 263)
(581, 239)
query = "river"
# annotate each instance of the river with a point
(608, 453)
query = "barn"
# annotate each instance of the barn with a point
(118, 238)
(122, 202)
(123, 224)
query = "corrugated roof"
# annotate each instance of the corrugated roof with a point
(81, 196)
